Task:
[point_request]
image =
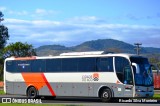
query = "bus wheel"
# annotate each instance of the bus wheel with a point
(106, 95)
(32, 93)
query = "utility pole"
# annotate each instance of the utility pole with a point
(137, 47)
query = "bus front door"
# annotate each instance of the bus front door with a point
(128, 82)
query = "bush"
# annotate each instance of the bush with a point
(1, 72)
(1, 68)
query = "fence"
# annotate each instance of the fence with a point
(156, 81)
(1, 85)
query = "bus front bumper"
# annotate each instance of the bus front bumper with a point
(144, 94)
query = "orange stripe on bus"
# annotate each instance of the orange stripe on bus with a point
(34, 79)
(48, 85)
(118, 82)
(37, 80)
(25, 58)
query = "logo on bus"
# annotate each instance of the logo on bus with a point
(93, 77)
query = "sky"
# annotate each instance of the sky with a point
(71, 22)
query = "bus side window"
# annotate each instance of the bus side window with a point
(69, 64)
(24, 65)
(86, 64)
(53, 65)
(38, 65)
(105, 64)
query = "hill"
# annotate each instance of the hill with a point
(105, 45)
(108, 45)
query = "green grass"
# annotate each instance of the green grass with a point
(2, 92)
(156, 96)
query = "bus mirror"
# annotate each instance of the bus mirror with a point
(134, 64)
(136, 68)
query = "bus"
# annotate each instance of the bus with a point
(80, 74)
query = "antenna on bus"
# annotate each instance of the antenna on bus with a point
(82, 53)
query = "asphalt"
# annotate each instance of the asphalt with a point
(84, 101)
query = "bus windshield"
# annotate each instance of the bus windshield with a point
(142, 71)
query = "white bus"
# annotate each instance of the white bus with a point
(84, 74)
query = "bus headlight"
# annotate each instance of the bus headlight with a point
(139, 90)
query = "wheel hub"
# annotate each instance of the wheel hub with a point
(105, 95)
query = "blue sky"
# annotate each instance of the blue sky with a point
(71, 22)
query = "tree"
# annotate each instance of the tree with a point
(19, 49)
(154, 59)
(4, 36)
(114, 50)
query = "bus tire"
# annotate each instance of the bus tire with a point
(32, 93)
(106, 95)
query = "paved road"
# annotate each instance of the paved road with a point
(82, 101)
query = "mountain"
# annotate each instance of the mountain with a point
(51, 50)
(107, 45)
(104, 44)
(52, 47)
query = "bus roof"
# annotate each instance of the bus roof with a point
(82, 54)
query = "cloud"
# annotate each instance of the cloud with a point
(38, 13)
(19, 13)
(43, 13)
(70, 33)
(16, 21)
(85, 19)
(2, 8)
(133, 17)
(142, 18)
